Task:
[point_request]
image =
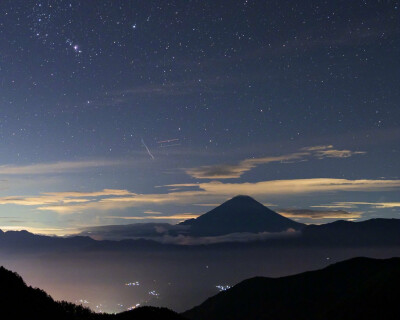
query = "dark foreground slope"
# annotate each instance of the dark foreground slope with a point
(360, 288)
(18, 301)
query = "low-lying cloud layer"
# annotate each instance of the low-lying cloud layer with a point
(176, 234)
(233, 237)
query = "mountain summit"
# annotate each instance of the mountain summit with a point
(239, 214)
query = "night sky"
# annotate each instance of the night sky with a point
(116, 112)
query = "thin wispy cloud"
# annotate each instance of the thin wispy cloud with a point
(162, 90)
(181, 217)
(115, 199)
(232, 237)
(293, 186)
(319, 214)
(329, 152)
(352, 204)
(56, 167)
(152, 212)
(165, 89)
(232, 171)
(63, 200)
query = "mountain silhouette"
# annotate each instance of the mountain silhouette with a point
(28, 242)
(363, 233)
(19, 301)
(359, 288)
(239, 214)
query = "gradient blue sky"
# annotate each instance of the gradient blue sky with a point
(114, 112)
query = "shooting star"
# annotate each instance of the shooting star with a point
(167, 141)
(148, 151)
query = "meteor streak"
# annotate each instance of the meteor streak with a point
(148, 151)
(169, 140)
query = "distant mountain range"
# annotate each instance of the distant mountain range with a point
(360, 288)
(240, 219)
(364, 233)
(18, 301)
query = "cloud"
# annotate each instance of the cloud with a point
(319, 214)
(352, 204)
(233, 237)
(152, 212)
(227, 171)
(120, 203)
(231, 171)
(63, 202)
(182, 216)
(294, 186)
(385, 204)
(175, 234)
(207, 192)
(317, 148)
(169, 89)
(104, 192)
(327, 151)
(267, 204)
(132, 231)
(55, 167)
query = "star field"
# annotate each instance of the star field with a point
(159, 87)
